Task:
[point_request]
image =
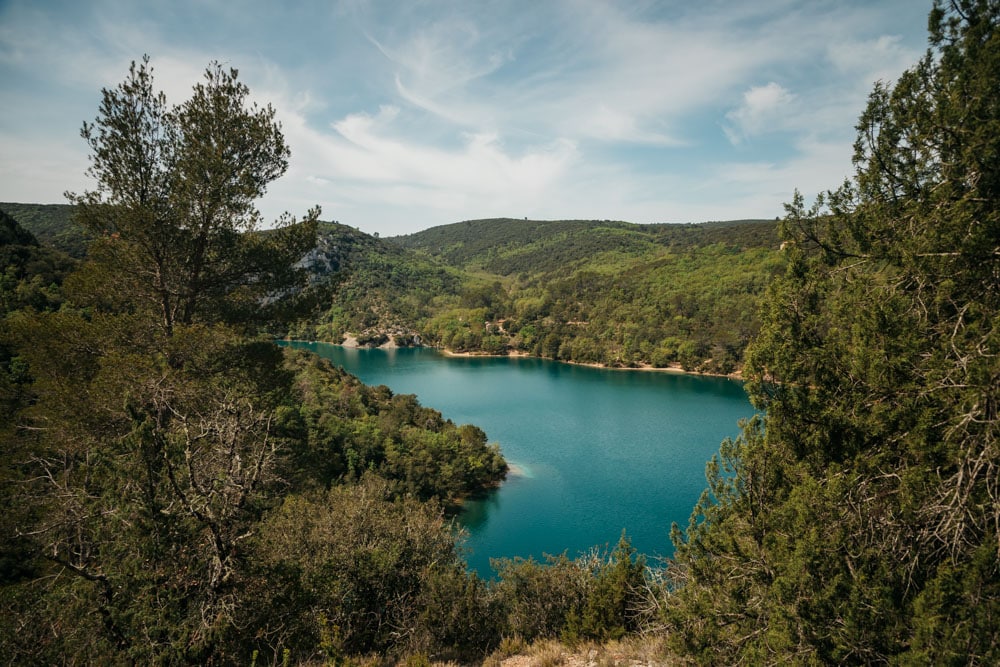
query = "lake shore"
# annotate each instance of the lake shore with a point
(351, 341)
(672, 368)
(589, 453)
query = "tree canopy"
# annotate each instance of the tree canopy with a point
(175, 199)
(148, 435)
(860, 523)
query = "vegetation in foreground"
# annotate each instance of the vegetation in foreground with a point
(859, 522)
(177, 490)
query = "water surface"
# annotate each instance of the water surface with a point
(593, 451)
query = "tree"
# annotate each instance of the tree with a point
(369, 574)
(152, 435)
(174, 202)
(860, 525)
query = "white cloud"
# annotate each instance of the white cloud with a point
(881, 58)
(444, 55)
(437, 62)
(635, 81)
(363, 158)
(41, 169)
(609, 124)
(764, 109)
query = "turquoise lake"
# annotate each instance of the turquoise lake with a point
(593, 451)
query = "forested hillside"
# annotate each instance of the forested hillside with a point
(32, 273)
(611, 293)
(52, 225)
(508, 246)
(379, 290)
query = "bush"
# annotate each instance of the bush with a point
(351, 571)
(596, 596)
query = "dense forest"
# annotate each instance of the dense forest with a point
(609, 293)
(859, 522)
(52, 225)
(176, 489)
(599, 292)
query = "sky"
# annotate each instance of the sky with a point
(406, 114)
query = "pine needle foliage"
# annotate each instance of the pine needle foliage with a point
(859, 522)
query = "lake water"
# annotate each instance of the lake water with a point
(593, 451)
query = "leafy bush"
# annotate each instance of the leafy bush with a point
(596, 596)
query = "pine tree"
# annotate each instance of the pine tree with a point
(861, 523)
(175, 200)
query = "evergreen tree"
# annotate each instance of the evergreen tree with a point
(861, 524)
(175, 199)
(151, 437)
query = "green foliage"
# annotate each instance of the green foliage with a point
(174, 205)
(143, 469)
(52, 225)
(610, 293)
(31, 278)
(859, 526)
(598, 596)
(154, 479)
(506, 246)
(586, 291)
(537, 597)
(380, 291)
(350, 429)
(575, 280)
(616, 585)
(176, 491)
(352, 571)
(32, 275)
(13, 234)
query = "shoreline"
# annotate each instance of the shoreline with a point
(675, 367)
(351, 342)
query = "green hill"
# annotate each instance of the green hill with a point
(507, 246)
(52, 225)
(605, 292)
(30, 274)
(380, 290)
(589, 291)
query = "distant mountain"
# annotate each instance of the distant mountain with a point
(30, 274)
(380, 290)
(13, 234)
(506, 246)
(338, 246)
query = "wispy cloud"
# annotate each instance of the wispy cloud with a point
(364, 161)
(403, 115)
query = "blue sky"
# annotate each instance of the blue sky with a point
(402, 115)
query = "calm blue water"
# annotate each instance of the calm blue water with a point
(594, 451)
